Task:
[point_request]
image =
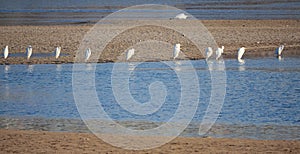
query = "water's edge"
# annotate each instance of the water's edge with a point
(242, 131)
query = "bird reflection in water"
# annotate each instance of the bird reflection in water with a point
(131, 66)
(58, 67)
(242, 67)
(178, 66)
(6, 69)
(30, 68)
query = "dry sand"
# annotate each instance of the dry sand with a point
(260, 37)
(12, 141)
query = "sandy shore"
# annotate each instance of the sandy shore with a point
(260, 37)
(13, 141)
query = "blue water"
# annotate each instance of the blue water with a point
(263, 93)
(82, 11)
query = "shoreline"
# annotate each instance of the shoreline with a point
(218, 130)
(58, 62)
(260, 37)
(20, 141)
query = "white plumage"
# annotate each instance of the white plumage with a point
(279, 50)
(279, 58)
(57, 52)
(176, 51)
(208, 52)
(129, 54)
(181, 16)
(29, 51)
(241, 52)
(5, 52)
(219, 52)
(88, 53)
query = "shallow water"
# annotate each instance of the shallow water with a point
(82, 11)
(261, 102)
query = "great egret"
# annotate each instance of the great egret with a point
(219, 52)
(5, 52)
(208, 52)
(181, 16)
(88, 53)
(241, 52)
(176, 51)
(57, 52)
(129, 54)
(29, 51)
(279, 50)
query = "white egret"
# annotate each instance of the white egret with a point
(57, 52)
(29, 51)
(129, 54)
(208, 52)
(5, 52)
(219, 52)
(88, 53)
(181, 16)
(176, 51)
(241, 52)
(279, 50)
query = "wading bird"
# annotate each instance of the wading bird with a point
(129, 54)
(176, 51)
(5, 52)
(29, 51)
(57, 52)
(181, 16)
(208, 52)
(88, 53)
(241, 52)
(279, 50)
(219, 52)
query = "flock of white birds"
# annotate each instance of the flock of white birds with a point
(240, 53)
(209, 51)
(177, 49)
(56, 51)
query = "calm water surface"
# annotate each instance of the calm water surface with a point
(85, 11)
(261, 102)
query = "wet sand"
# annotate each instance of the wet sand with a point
(260, 37)
(12, 141)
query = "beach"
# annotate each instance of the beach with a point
(260, 107)
(260, 37)
(12, 141)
